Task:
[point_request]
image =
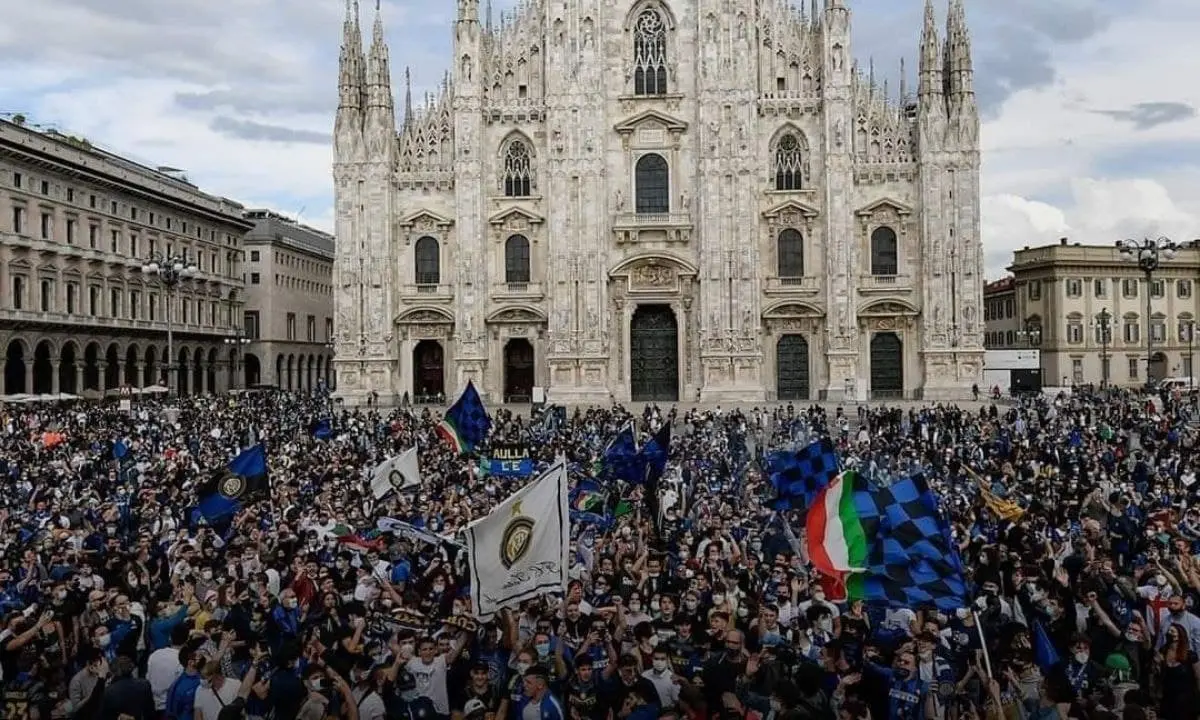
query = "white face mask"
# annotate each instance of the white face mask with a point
(1081, 657)
(660, 666)
(718, 598)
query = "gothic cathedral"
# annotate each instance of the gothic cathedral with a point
(659, 200)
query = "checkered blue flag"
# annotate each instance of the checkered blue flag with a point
(798, 477)
(912, 561)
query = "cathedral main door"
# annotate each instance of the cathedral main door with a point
(654, 354)
(518, 371)
(887, 366)
(429, 377)
(791, 368)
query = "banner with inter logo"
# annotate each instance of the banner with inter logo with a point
(519, 551)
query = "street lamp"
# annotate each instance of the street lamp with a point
(1148, 253)
(1190, 328)
(170, 270)
(1103, 323)
(237, 342)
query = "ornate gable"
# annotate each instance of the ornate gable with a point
(419, 315)
(889, 308)
(651, 119)
(517, 314)
(792, 310)
(791, 210)
(515, 218)
(425, 220)
(884, 205)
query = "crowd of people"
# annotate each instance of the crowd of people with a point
(1074, 517)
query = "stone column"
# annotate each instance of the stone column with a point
(79, 377)
(54, 383)
(102, 381)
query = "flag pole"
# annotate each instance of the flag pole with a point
(987, 659)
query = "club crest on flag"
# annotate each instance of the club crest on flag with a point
(232, 486)
(397, 479)
(517, 538)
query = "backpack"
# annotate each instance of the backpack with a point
(181, 697)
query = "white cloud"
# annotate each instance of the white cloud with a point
(149, 79)
(1047, 172)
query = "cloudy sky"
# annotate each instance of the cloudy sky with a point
(1091, 128)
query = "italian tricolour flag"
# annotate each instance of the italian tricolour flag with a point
(837, 543)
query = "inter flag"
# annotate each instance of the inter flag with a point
(323, 429)
(622, 460)
(519, 550)
(466, 424)
(890, 543)
(654, 458)
(220, 497)
(398, 473)
(799, 476)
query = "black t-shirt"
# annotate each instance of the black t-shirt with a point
(489, 697)
(585, 701)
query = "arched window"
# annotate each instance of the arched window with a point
(653, 185)
(884, 257)
(789, 163)
(429, 262)
(650, 54)
(517, 170)
(791, 254)
(516, 259)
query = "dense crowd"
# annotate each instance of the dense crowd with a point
(1075, 518)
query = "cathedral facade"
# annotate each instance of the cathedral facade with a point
(668, 200)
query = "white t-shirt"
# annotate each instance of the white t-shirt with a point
(209, 703)
(370, 705)
(430, 682)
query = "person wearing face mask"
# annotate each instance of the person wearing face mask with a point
(168, 616)
(1082, 672)
(662, 676)
(366, 688)
(628, 681)
(286, 618)
(635, 611)
(908, 696)
(1176, 613)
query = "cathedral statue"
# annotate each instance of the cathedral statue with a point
(598, 179)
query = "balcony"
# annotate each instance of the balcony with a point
(527, 292)
(883, 284)
(639, 228)
(426, 293)
(80, 320)
(808, 285)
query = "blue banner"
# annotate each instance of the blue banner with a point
(510, 460)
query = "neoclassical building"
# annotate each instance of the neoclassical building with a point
(659, 200)
(77, 314)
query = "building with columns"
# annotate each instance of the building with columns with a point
(288, 314)
(1096, 317)
(77, 314)
(667, 200)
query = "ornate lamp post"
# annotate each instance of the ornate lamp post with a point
(1190, 328)
(1148, 253)
(237, 342)
(1102, 326)
(170, 271)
